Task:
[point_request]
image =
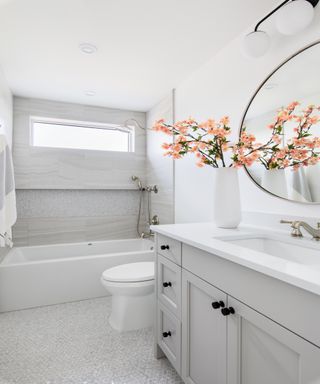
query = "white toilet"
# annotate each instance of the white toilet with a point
(132, 287)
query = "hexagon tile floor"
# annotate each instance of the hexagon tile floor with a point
(74, 344)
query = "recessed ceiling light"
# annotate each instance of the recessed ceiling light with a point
(89, 93)
(270, 86)
(88, 48)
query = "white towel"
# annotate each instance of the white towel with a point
(8, 209)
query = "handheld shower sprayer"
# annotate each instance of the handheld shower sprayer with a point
(136, 178)
(150, 220)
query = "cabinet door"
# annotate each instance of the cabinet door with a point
(261, 351)
(203, 332)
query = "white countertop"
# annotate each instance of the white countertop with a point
(205, 236)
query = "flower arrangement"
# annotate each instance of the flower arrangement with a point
(209, 141)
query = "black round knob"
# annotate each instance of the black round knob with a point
(167, 284)
(227, 311)
(164, 247)
(217, 304)
(166, 334)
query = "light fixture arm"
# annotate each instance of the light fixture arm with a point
(312, 2)
(270, 14)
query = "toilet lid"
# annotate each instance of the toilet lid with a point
(128, 273)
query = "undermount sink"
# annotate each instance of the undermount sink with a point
(295, 250)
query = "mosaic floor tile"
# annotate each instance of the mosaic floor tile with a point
(73, 343)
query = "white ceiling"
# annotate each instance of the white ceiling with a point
(145, 47)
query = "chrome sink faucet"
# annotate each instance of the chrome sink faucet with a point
(296, 231)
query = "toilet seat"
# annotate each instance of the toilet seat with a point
(130, 273)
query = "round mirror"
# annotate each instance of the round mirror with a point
(283, 120)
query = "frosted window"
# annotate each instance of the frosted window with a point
(82, 136)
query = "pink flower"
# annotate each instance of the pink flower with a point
(293, 105)
(313, 120)
(166, 146)
(225, 121)
(276, 139)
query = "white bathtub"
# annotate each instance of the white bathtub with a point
(52, 274)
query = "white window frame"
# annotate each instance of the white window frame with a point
(84, 124)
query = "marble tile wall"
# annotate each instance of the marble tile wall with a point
(68, 195)
(74, 196)
(50, 168)
(63, 216)
(160, 169)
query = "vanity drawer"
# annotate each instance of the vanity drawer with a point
(169, 285)
(169, 336)
(169, 248)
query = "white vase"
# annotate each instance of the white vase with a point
(226, 203)
(274, 181)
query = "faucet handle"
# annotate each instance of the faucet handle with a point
(295, 225)
(287, 222)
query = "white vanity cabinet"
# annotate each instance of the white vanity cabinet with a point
(226, 324)
(260, 351)
(203, 332)
(168, 299)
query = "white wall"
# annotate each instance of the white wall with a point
(5, 108)
(224, 86)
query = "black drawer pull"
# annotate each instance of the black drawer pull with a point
(167, 284)
(217, 304)
(227, 311)
(166, 334)
(164, 247)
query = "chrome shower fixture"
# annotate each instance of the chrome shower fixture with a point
(137, 179)
(150, 188)
(153, 188)
(129, 122)
(150, 220)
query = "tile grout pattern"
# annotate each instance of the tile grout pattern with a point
(73, 344)
(62, 216)
(48, 203)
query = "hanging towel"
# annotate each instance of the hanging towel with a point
(8, 210)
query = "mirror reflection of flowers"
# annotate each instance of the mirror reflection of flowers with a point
(207, 140)
(301, 150)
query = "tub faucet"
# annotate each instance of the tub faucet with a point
(155, 220)
(296, 231)
(147, 235)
